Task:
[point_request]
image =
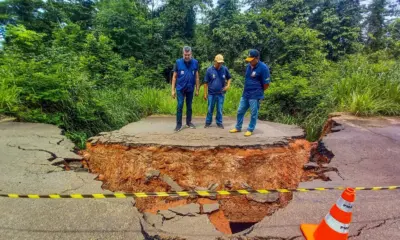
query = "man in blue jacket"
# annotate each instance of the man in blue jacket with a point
(184, 81)
(216, 82)
(256, 82)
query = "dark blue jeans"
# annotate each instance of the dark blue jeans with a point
(181, 95)
(244, 105)
(217, 99)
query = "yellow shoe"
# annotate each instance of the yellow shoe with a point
(248, 134)
(234, 130)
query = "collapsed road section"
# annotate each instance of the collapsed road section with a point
(147, 156)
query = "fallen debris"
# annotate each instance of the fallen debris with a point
(167, 214)
(174, 186)
(187, 210)
(154, 220)
(209, 208)
(263, 198)
(310, 166)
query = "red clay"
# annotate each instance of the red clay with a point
(124, 168)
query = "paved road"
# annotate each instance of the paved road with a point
(367, 153)
(25, 149)
(159, 130)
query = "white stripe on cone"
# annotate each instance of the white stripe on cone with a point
(336, 225)
(344, 205)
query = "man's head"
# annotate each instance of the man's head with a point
(218, 61)
(253, 57)
(187, 53)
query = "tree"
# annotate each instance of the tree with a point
(81, 12)
(394, 38)
(222, 32)
(340, 23)
(24, 42)
(223, 13)
(179, 18)
(26, 12)
(376, 24)
(125, 22)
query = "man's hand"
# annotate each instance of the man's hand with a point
(197, 92)
(205, 97)
(173, 94)
(226, 88)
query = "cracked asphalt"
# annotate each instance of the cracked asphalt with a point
(30, 153)
(367, 153)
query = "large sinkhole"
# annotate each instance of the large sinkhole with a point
(134, 159)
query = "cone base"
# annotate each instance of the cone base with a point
(308, 230)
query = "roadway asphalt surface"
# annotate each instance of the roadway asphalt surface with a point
(25, 149)
(367, 153)
(159, 130)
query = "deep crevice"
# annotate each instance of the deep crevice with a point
(237, 227)
(143, 169)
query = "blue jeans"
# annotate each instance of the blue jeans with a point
(217, 99)
(181, 95)
(244, 105)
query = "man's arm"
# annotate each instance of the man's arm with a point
(206, 80)
(266, 78)
(197, 83)
(205, 91)
(229, 77)
(173, 91)
(228, 85)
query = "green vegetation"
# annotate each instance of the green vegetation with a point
(159, 101)
(91, 66)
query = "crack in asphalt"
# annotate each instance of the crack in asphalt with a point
(37, 164)
(278, 238)
(40, 136)
(143, 231)
(382, 222)
(359, 231)
(53, 155)
(83, 180)
(74, 189)
(262, 238)
(379, 134)
(59, 142)
(340, 175)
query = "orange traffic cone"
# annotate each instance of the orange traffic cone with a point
(335, 225)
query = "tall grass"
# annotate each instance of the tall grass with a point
(367, 88)
(9, 95)
(357, 85)
(160, 101)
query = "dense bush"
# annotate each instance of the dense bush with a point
(91, 66)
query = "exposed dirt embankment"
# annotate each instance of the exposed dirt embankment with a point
(148, 157)
(155, 168)
(124, 168)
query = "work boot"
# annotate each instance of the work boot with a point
(220, 125)
(191, 125)
(207, 125)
